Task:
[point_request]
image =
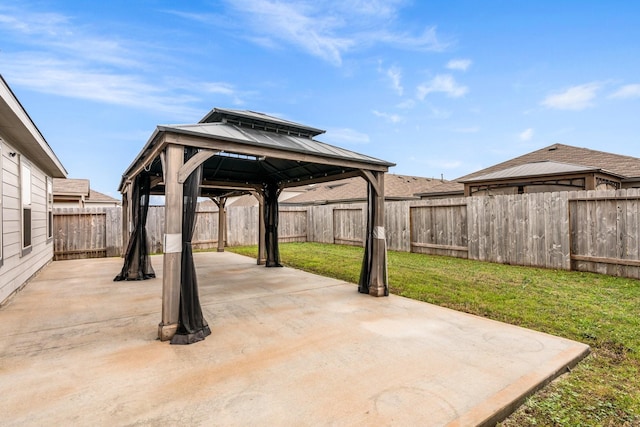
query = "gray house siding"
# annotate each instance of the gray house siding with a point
(22, 144)
(17, 268)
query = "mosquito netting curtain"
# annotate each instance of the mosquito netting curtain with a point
(192, 327)
(137, 265)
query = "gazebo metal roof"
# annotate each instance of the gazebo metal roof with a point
(245, 154)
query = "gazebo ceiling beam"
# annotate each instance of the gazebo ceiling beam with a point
(323, 178)
(191, 165)
(368, 175)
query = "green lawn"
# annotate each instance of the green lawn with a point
(601, 311)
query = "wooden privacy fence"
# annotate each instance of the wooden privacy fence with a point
(86, 233)
(595, 231)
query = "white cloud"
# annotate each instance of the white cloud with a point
(443, 83)
(346, 136)
(64, 59)
(73, 80)
(627, 91)
(459, 64)
(395, 75)
(327, 29)
(393, 118)
(526, 134)
(575, 98)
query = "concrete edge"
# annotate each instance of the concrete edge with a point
(504, 400)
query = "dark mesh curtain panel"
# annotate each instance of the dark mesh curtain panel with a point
(365, 271)
(137, 264)
(191, 324)
(367, 260)
(271, 193)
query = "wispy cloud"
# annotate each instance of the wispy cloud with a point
(346, 136)
(443, 83)
(73, 80)
(459, 64)
(574, 98)
(627, 91)
(393, 118)
(526, 134)
(327, 29)
(63, 58)
(395, 77)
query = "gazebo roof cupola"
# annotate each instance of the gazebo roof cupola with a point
(260, 121)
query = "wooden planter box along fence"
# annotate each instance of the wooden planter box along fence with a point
(596, 231)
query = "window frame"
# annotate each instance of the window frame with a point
(26, 195)
(49, 203)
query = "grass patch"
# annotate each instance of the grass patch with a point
(601, 311)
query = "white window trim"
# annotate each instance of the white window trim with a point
(49, 203)
(22, 166)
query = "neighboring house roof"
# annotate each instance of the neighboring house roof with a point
(20, 131)
(444, 189)
(621, 165)
(98, 197)
(536, 169)
(396, 187)
(71, 189)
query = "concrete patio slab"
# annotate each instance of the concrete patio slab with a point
(287, 348)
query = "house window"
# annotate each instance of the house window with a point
(25, 199)
(49, 208)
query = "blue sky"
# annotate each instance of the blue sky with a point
(441, 88)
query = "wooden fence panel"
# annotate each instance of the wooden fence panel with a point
(320, 224)
(113, 232)
(205, 233)
(79, 233)
(397, 226)
(604, 232)
(439, 229)
(349, 226)
(155, 229)
(242, 225)
(292, 225)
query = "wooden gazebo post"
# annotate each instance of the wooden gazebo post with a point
(221, 202)
(262, 246)
(378, 285)
(126, 217)
(373, 278)
(174, 155)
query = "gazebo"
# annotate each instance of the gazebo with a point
(232, 152)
